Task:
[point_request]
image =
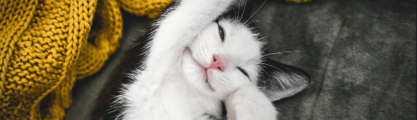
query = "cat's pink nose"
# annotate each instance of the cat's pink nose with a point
(217, 63)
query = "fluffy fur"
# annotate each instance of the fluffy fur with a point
(195, 62)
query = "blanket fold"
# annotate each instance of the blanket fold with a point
(46, 45)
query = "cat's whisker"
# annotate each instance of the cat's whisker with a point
(271, 66)
(250, 22)
(244, 8)
(280, 53)
(267, 21)
(275, 25)
(235, 15)
(276, 53)
(238, 10)
(255, 12)
(204, 53)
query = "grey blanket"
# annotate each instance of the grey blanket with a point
(361, 55)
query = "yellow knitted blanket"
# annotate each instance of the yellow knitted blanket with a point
(46, 45)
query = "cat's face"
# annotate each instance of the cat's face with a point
(225, 56)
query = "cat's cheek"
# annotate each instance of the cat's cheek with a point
(239, 80)
(211, 79)
(191, 71)
(194, 75)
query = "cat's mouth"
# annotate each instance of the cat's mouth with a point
(203, 69)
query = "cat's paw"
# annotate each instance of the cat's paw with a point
(249, 103)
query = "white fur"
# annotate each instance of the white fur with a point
(171, 85)
(248, 103)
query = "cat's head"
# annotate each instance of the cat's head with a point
(227, 55)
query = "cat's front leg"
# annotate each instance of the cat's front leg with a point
(176, 30)
(248, 103)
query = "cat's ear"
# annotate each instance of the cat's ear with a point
(279, 81)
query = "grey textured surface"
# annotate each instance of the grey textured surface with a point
(360, 54)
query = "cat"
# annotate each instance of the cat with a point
(199, 65)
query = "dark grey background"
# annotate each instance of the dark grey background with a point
(361, 55)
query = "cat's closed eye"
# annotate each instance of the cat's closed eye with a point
(243, 71)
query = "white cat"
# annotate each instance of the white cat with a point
(195, 62)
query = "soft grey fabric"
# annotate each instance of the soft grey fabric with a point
(86, 91)
(361, 55)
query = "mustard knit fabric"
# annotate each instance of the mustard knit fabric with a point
(46, 45)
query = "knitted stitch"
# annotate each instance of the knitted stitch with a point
(46, 45)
